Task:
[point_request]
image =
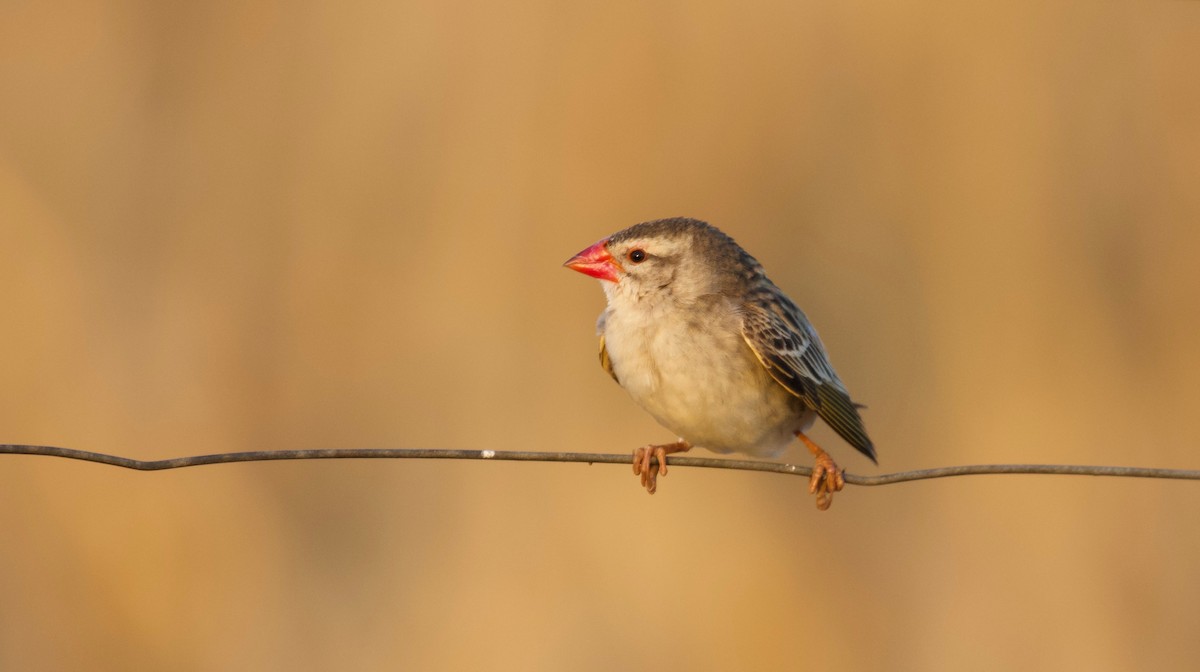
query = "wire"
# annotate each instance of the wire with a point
(590, 458)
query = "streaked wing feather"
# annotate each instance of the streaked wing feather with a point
(787, 345)
(840, 413)
(781, 350)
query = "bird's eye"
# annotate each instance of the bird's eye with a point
(637, 256)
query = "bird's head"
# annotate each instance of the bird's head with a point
(638, 259)
(680, 256)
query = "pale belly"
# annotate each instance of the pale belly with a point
(707, 389)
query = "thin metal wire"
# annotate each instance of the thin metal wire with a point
(591, 458)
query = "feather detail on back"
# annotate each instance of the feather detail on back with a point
(788, 347)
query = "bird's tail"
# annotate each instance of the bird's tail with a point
(840, 413)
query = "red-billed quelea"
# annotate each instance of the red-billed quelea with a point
(708, 345)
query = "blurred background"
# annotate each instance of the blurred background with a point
(232, 226)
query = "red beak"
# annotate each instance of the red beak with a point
(596, 262)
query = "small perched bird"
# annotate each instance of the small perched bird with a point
(700, 337)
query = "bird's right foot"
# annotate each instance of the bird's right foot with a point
(650, 461)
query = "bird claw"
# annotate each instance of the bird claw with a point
(827, 478)
(650, 461)
(642, 466)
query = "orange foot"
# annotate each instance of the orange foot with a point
(827, 475)
(648, 470)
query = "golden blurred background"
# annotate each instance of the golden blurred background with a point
(255, 225)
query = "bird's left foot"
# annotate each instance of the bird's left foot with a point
(644, 466)
(827, 477)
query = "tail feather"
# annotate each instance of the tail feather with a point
(840, 413)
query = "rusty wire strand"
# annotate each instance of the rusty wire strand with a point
(590, 458)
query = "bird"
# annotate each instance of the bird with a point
(702, 340)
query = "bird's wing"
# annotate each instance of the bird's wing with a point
(788, 347)
(605, 362)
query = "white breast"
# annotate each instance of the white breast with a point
(700, 379)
